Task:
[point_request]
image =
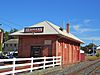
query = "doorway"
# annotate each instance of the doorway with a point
(36, 51)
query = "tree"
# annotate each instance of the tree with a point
(1, 30)
(13, 30)
(89, 48)
(6, 34)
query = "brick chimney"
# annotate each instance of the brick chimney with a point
(68, 28)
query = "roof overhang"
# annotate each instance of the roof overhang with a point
(48, 29)
(66, 37)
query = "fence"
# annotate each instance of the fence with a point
(32, 64)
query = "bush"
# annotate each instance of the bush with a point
(97, 54)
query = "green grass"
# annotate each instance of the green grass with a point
(92, 57)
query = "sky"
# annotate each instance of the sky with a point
(83, 16)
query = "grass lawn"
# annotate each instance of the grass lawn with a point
(92, 57)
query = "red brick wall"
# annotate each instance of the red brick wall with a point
(25, 43)
(82, 56)
(70, 53)
(68, 49)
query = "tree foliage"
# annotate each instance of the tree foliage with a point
(6, 34)
(89, 48)
(13, 30)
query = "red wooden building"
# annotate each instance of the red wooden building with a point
(82, 55)
(1, 40)
(1, 36)
(47, 39)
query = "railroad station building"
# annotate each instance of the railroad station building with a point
(48, 39)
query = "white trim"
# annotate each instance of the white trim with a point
(56, 60)
(81, 51)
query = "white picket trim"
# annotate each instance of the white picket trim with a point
(55, 60)
(7, 66)
(5, 60)
(19, 65)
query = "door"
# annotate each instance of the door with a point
(36, 51)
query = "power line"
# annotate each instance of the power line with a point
(10, 22)
(2, 23)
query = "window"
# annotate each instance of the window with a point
(47, 42)
(6, 45)
(15, 45)
(10, 44)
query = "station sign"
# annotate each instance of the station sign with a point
(33, 29)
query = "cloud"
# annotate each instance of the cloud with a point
(88, 30)
(80, 29)
(86, 21)
(76, 27)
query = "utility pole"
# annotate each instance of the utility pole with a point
(93, 47)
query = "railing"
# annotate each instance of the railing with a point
(27, 64)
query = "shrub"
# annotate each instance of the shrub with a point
(97, 54)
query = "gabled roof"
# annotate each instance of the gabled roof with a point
(49, 29)
(12, 41)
